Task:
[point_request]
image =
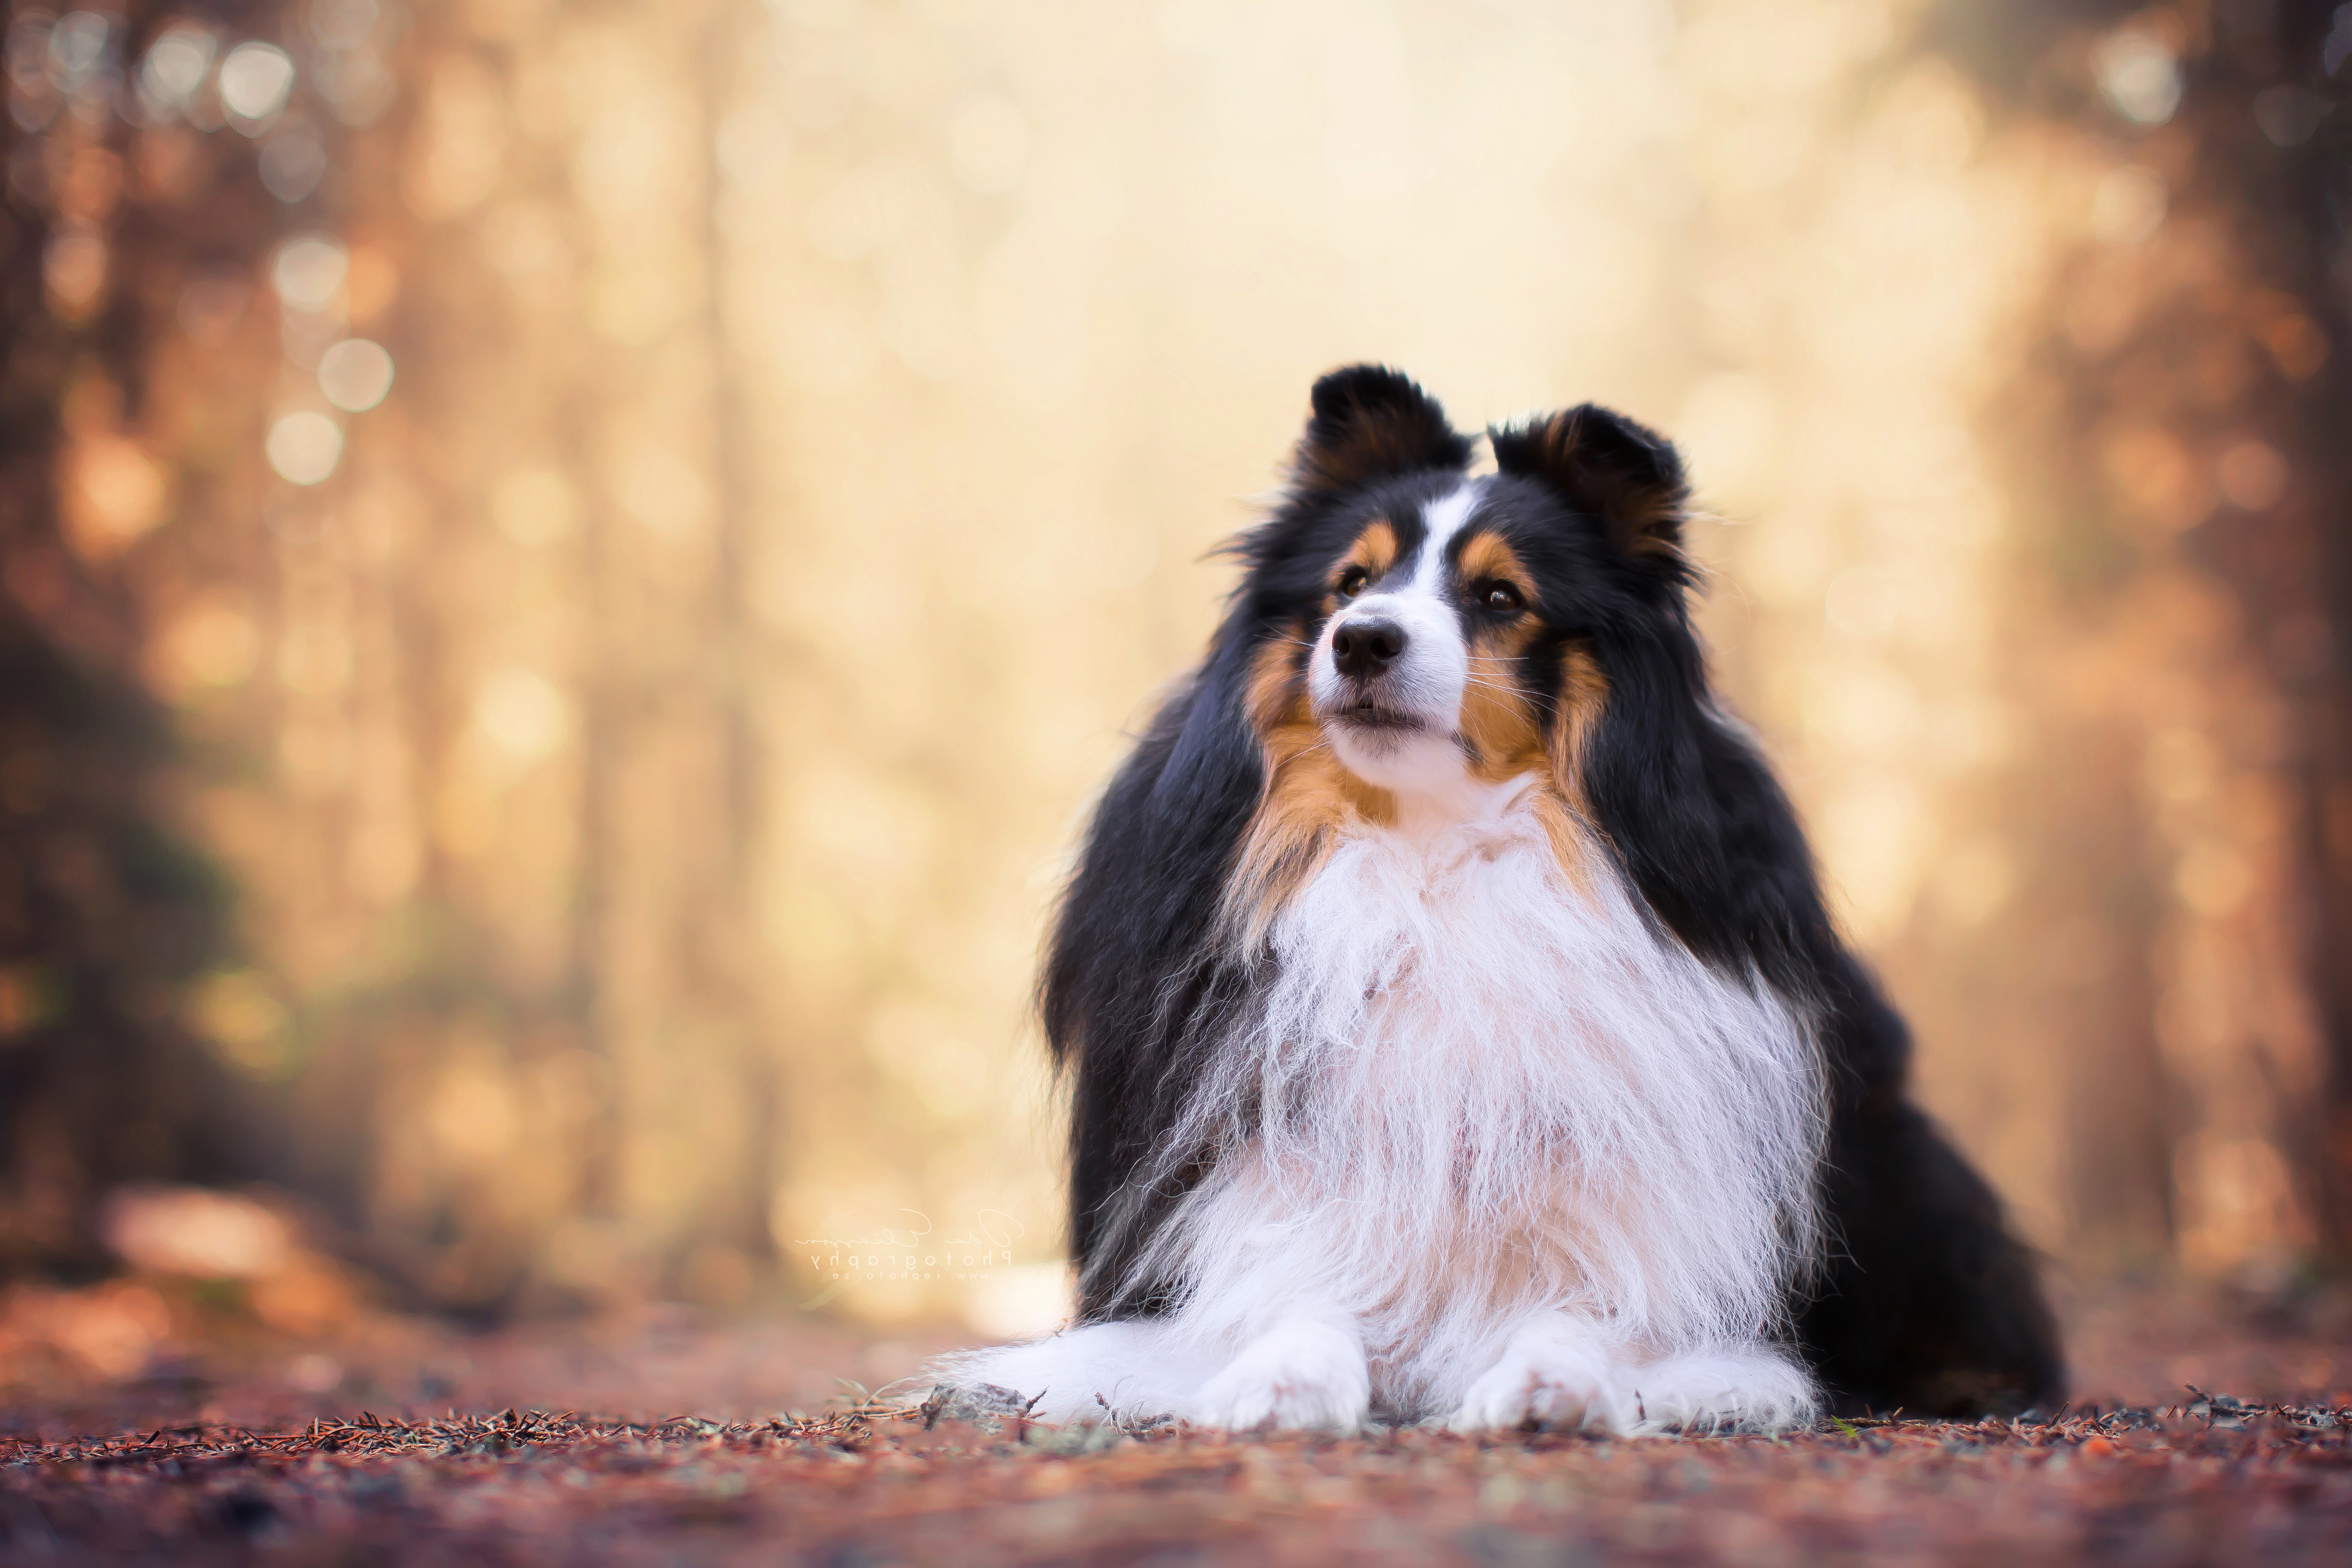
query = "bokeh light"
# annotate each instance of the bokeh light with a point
(176, 66)
(355, 374)
(308, 273)
(254, 79)
(292, 164)
(2139, 74)
(305, 445)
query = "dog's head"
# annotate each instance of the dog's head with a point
(1433, 632)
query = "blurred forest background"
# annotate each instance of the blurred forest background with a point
(568, 571)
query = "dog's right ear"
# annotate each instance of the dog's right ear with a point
(1373, 423)
(1606, 466)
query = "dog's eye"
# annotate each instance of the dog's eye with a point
(1352, 580)
(1500, 597)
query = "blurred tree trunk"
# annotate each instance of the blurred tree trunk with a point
(2181, 433)
(570, 1094)
(107, 915)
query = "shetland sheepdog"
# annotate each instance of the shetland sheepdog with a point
(1453, 1027)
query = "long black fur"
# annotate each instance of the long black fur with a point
(1924, 1300)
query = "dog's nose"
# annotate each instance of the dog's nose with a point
(1364, 649)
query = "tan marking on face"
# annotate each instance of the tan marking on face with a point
(1582, 694)
(1489, 558)
(1310, 794)
(1375, 551)
(1501, 727)
(1578, 696)
(1504, 734)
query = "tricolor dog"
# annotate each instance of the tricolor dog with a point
(1453, 1027)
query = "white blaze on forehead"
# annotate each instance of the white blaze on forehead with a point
(1443, 519)
(1416, 595)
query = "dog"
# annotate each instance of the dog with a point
(1454, 1026)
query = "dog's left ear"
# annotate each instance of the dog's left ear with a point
(1628, 476)
(1373, 423)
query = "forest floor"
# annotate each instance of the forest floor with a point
(2206, 1430)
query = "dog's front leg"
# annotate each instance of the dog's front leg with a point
(1308, 1371)
(1556, 1372)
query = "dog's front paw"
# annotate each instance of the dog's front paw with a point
(1749, 1388)
(1306, 1374)
(1549, 1377)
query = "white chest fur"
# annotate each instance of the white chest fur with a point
(1476, 1092)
